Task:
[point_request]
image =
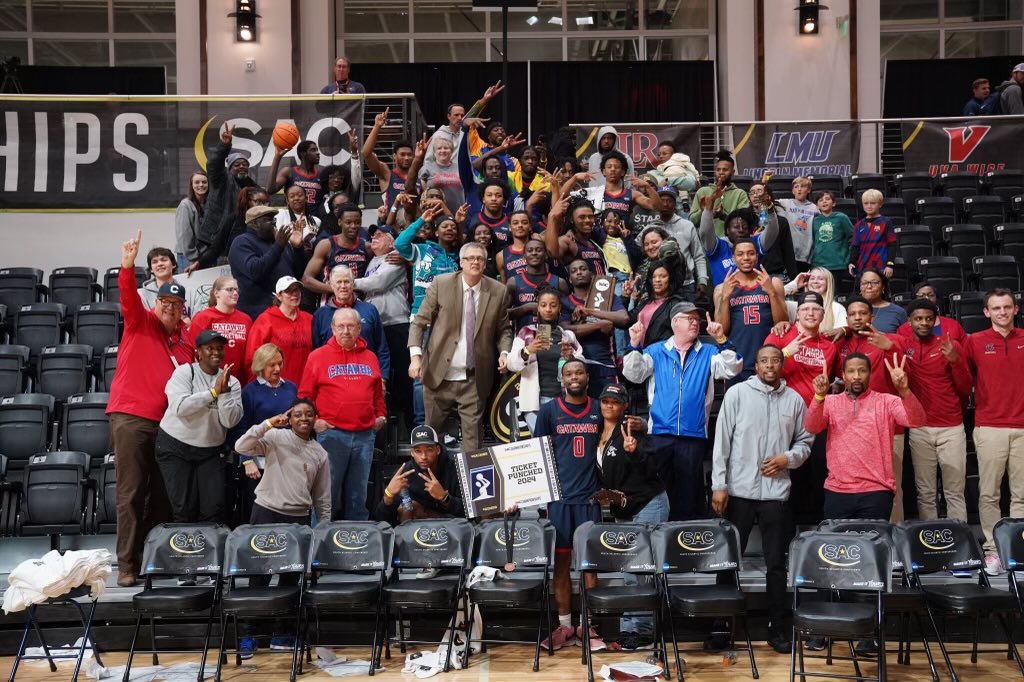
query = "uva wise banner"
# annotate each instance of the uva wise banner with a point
(969, 146)
(138, 153)
(797, 149)
(639, 142)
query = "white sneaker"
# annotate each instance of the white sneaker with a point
(992, 564)
(427, 573)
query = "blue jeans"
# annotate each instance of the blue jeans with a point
(621, 335)
(653, 513)
(349, 454)
(419, 413)
(531, 417)
(182, 262)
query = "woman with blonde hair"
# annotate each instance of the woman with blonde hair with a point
(223, 316)
(269, 394)
(820, 281)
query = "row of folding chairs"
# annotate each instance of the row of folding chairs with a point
(61, 371)
(70, 286)
(980, 273)
(40, 325)
(965, 240)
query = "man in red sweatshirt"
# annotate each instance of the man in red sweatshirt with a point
(861, 337)
(996, 358)
(154, 343)
(343, 380)
(939, 376)
(860, 423)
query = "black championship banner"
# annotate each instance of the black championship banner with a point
(969, 146)
(138, 152)
(797, 149)
(640, 141)
(505, 410)
(495, 478)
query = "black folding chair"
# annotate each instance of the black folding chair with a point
(97, 325)
(1005, 183)
(526, 560)
(39, 325)
(968, 309)
(58, 497)
(902, 599)
(358, 552)
(707, 546)
(616, 548)
(258, 551)
(839, 564)
(443, 544)
(106, 367)
(110, 290)
(63, 370)
(85, 426)
(913, 186)
(105, 519)
(74, 286)
(928, 547)
(13, 369)
(173, 550)
(1009, 537)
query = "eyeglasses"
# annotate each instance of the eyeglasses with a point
(232, 290)
(871, 283)
(171, 302)
(472, 259)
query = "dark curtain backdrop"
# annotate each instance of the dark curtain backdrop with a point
(562, 92)
(91, 80)
(938, 87)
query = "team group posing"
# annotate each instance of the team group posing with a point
(483, 262)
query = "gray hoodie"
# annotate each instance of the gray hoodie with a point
(1011, 97)
(594, 163)
(757, 422)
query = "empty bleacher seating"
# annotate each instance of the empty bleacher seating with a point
(1006, 183)
(945, 273)
(965, 241)
(865, 181)
(110, 291)
(1010, 239)
(39, 325)
(21, 286)
(967, 308)
(74, 286)
(64, 370)
(13, 369)
(997, 271)
(97, 325)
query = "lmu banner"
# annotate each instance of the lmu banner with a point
(640, 142)
(970, 146)
(138, 152)
(797, 149)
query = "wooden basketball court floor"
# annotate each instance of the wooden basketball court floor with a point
(513, 662)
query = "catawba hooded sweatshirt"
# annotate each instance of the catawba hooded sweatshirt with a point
(345, 385)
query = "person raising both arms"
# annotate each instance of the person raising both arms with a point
(304, 174)
(740, 224)
(345, 248)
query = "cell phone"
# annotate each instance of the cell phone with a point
(544, 331)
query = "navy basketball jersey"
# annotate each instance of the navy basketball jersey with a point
(750, 315)
(310, 184)
(513, 262)
(499, 229)
(526, 286)
(396, 185)
(355, 258)
(575, 431)
(621, 203)
(591, 253)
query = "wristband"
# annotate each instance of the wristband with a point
(213, 392)
(786, 355)
(721, 340)
(819, 398)
(388, 494)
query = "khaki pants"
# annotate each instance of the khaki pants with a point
(897, 473)
(999, 450)
(141, 497)
(463, 396)
(944, 447)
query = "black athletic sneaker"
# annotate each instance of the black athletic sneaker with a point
(815, 643)
(867, 648)
(781, 643)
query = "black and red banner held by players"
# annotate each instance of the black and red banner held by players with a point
(138, 152)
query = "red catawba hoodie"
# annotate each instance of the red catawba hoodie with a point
(146, 356)
(345, 385)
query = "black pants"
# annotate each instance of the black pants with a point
(873, 505)
(397, 337)
(194, 479)
(776, 523)
(808, 484)
(246, 627)
(680, 462)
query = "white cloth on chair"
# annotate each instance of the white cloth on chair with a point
(35, 580)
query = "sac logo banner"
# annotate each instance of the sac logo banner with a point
(619, 541)
(188, 543)
(269, 543)
(520, 537)
(839, 555)
(936, 539)
(431, 538)
(696, 540)
(350, 540)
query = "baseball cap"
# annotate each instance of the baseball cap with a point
(1019, 68)
(423, 435)
(172, 289)
(616, 391)
(284, 282)
(683, 308)
(810, 297)
(668, 189)
(208, 335)
(256, 212)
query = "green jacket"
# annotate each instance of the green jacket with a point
(733, 198)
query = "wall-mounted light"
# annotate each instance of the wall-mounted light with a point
(245, 20)
(585, 21)
(557, 21)
(532, 20)
(809, 21)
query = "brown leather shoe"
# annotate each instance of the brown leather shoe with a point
(126, 579)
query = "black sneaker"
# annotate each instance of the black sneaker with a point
(867, 648)
(815, 643)
(781, 643)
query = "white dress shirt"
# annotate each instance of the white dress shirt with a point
(457, 370)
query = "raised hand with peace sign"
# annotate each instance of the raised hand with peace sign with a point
(628, 440)
(433, 486)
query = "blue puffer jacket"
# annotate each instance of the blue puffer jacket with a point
(680, 394)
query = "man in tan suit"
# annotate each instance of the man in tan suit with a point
(467, 314)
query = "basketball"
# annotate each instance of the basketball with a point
(285, 136)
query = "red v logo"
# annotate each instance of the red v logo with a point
(964, 140)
